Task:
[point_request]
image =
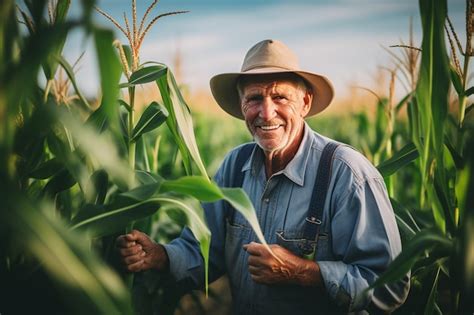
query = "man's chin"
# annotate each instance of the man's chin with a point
(268, 147)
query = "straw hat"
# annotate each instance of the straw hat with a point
(269, 56)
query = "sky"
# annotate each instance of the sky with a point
(341, 39)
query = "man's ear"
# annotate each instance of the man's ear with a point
(308, 100)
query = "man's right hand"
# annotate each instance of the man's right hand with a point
(138, 252)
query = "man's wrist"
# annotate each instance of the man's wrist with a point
(162, 259)
(308, 273)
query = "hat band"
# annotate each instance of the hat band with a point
(267, 66)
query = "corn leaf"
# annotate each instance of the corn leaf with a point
(47, 169)
(145, 75)
(70, 73)
(465, 191)
(114, 217)
(202, 189)
(110, 71)
(456, 80)
(153, 116)
(470, 91)
(99, 181)
(197, 224)
(430, 304)
(425, 240)
(66, 257)
(125, 104)
(180, 122)
(101, 149)
(401, 158)
(61, 181)
(141, 155)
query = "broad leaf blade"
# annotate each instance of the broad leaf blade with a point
(153, 116)
(197, 186)
(116, 217)
(47, 169)
(196, 221)
(424, 240)
(406, 154)
(145, 75)
(180, 121)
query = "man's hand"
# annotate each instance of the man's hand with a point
(266, 269)
(139, 253)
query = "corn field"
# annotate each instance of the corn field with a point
(76, 172)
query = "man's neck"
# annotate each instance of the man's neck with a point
(277, 160)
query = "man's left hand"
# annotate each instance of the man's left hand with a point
(266, 269)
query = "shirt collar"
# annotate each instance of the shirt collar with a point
(295, 169)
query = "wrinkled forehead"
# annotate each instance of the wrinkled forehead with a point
(272, 79)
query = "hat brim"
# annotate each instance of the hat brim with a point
(224, 89)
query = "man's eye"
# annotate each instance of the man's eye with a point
(253, 99)
(279, 97)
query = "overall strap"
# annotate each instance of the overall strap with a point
(315, 212)
(242, 157)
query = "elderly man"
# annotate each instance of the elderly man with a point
(322, 205)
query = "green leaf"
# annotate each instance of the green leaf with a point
(100, 182)
(470, 91)
(145, 75)
(432, 90)
(66, 256)
(70, 73)
(197, 186)
(425, 240)
(116, 217)
(456, 80)
(62, 7)
(406, 154)
(145, 177)
(61, 181)
(101, 149)
(153, 116)
(110, 71)
(196, 221)
(98, 120)
(125, 104)
(47, 169)
(403, 101)
(180, 122)
(430, 304)
(465, 194)
(202, 189)
(241, 202)
(141, 155)
(141, 193)
(406, 216)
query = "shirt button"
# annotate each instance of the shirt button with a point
(266, 200)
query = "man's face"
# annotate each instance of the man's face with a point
(274, 111)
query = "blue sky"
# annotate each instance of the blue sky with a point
(341, 39)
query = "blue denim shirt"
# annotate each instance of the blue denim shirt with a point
(358, 237)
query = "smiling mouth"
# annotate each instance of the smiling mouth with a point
(269, 128)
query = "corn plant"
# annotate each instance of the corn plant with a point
(73, 176)
(437, 233)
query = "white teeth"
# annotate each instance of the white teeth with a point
(270, 127)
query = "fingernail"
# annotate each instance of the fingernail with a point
(143, 254)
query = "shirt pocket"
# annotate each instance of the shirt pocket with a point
(294, 242)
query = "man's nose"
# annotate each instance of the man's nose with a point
(267, 110)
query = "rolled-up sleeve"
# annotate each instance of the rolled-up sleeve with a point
(365, 240)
